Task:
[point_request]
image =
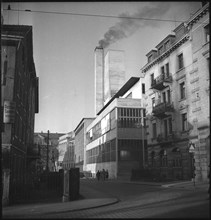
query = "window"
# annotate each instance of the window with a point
(207, 33)
(184, 122)
(154, 130)
(167, 70)
(153, 158)
(169, 96)
(162, 70)
(182, 90)
(170, 125)
(180, 61)
(167, 44)
(149, 58)
(165, 129)
(152, 78)
(164, 97)
(143, 88)
(125, 155)
(160, 50)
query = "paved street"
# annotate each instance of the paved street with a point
(141, 201)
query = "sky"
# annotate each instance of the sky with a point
(65, 35)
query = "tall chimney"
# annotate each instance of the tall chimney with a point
(99, 78)
(114, 73)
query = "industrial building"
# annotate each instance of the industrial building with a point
(80, 143)
(116, 138)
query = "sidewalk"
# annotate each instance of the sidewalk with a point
(27, 211)
(33, 210)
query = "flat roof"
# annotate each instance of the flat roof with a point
(131, 82)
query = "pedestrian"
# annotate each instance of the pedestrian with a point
(106, 174)
(98, 175)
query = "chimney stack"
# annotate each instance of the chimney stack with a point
(99, 76)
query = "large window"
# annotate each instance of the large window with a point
(102, 153)
(184, 122)
(129, 117)
(182, 90)
(180, 61)
(105, 124)
(130, 150)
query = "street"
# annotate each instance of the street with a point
(141, 201)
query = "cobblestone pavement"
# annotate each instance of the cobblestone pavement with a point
(153, 202)
(185, 207)
(136, 200)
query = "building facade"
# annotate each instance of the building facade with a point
(47, 144)
(19, 103)
(198, 26)
(116, 138)
(66, 149)
(175, 104)
(80, 143)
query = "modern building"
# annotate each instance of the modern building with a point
(66, 149)
(109, 75)
(176, 80)
(47, 144)
(19, 102)
(116, 138)
(80, 143)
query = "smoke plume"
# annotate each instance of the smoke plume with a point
(127, 26)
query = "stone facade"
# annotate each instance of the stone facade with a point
(177, 101)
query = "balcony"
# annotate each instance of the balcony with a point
(162, 109)
(161, 82)
(168, 138)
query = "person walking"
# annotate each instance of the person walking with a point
(98, 175)
(106, 174)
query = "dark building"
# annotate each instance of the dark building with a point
(19, 103)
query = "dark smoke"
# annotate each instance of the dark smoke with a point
(127, 26)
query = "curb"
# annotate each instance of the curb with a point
(35, 211)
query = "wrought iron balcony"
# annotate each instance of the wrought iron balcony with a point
(169, 137)
(162, 81)
(161, 109)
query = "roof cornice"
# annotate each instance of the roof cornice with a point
(166, 53)
(200, 13)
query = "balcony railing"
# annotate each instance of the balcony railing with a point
(169, 137)
(162, 108)
(161, 81)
